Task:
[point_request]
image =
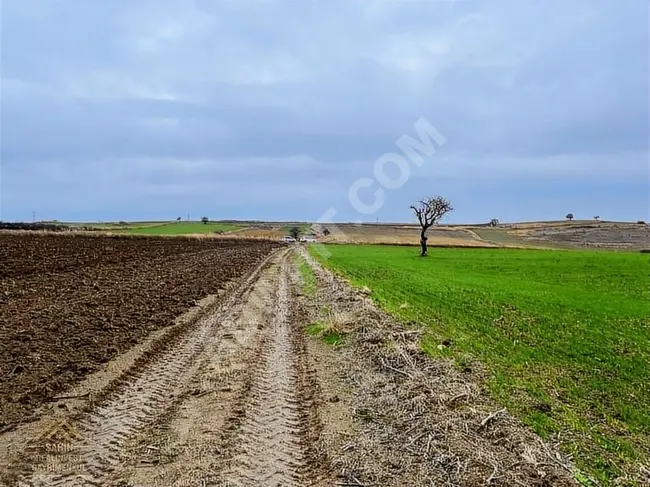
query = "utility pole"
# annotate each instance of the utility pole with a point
(33, 217)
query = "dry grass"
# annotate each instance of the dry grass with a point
(404, 235)
(120, 235)
(273, 234)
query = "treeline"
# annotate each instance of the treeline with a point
(42, 226)
(51, 227)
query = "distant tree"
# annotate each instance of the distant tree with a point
(294, 232)
(597, 218)
(178, 219)
(205, 220)
(429, 211)
(494, 222)
(641, 222)
(569, 216)
(326, 231)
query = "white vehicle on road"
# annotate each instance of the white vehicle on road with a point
(288, 238)
(308, 239)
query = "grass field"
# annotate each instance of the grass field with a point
(183, 228)
(305, 228)
(565, 335)
(112, 226)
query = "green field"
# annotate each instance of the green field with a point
(183, 228)
(113, 226)
(304, 228)
(565, 335)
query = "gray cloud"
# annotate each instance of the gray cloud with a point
(172, 98)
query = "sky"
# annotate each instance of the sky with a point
(273, 110)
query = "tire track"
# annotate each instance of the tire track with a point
(271, 450)
(144, 396)
(196, 427)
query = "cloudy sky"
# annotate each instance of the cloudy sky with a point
(253, 109)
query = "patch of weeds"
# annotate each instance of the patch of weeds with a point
(465, 363)
(309, 285)
(333, 328)
(330, 336)
(582, 479)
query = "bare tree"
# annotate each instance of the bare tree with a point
(494, 222)
(294, 232)
(429, 211)
(597, 218)
(569, 216)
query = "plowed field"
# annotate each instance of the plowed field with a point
(71, 303)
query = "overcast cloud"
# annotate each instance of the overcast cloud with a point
(153, 109)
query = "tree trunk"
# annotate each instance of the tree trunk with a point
(423, 243)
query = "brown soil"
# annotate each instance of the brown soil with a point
(71, 303)
(225, 400)
(190, 445)
(599, 235)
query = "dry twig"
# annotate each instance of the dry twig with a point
(396, 370)
(493, 415)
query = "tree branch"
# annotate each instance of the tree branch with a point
(430, 210)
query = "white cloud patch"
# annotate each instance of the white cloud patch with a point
(114, 85)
